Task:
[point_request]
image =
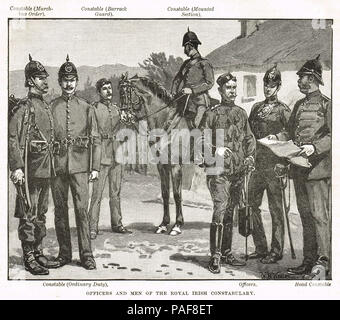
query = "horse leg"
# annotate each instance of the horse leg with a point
(164, 173)
(176, 176)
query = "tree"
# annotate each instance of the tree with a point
(161, 68)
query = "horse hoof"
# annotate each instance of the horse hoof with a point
(175, 231)
(161, 229)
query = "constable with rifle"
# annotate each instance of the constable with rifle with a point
(30, 149)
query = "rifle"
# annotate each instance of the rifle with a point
(245, 213)
(281, 172)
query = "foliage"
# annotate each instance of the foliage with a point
(161, 68)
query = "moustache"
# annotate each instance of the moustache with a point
(69, 88)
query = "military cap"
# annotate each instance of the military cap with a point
(67, 70)
(102, 82)
(312, 67)
(224, 78)
(34, 68)
(190, 37)
(272, 76)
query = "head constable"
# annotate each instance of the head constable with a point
(312, 67)
(34, 69)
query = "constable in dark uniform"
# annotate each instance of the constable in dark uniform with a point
(194, 79)
(267, 117)
(79, 153)
(108, 118)
(310, 128)
(31, 131)
(225, 188)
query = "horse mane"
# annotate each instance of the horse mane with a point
(156, 88)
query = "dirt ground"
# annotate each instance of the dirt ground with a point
(146, 255)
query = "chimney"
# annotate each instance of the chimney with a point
(248, 27)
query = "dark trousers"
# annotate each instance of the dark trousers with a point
(80, 192)
(260, 181)
(32, 226)
(225, 194)
(312, 198)
(115, 175)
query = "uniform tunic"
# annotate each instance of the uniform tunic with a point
(197, 74)
(267, 117)
(108, 118)
(310, 123)
(225, 188)
(75, 128)
(33, 115)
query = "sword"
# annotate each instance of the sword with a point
(281, 173)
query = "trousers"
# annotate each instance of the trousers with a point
(260, 181)
(78, 183)
(115, 174)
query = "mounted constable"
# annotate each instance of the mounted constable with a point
(193, 80)
(225, 187)
(309, 127)
(267, 117)
(79, 153)
(31, 136)
(108, 117)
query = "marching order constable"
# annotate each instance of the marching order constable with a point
(225, 188)
(31, 137)
(309, 127)
(79, 153)
(267, 117)
(108, 119)
(194, 79)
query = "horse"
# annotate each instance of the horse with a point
(142, 98)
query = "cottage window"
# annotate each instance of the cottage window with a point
(249, 86)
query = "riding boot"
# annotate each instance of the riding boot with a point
(227, 239)
(42, 259)
(216, 233)
(199, 116)
(30, 263)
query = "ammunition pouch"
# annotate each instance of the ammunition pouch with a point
(78, 143)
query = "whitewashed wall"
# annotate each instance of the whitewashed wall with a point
(288, 94)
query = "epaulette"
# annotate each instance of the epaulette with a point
(325, 97)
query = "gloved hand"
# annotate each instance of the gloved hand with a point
(18, 176)
(94, 175)
(187, 91)
(307, 149)
(223, 152)
(271, 137)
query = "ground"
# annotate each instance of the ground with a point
(146, 255)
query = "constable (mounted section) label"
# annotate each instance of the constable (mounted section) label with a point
(191, 11)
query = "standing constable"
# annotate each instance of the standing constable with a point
(108, 118)
(75, 130)
(310, 128)
(194, 79)
(30, 161)
(267, 117)
(225, 188)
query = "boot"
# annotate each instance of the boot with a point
(227, 239)
(30, 263)
(216, 233)
(199, 116)
(42, 259)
